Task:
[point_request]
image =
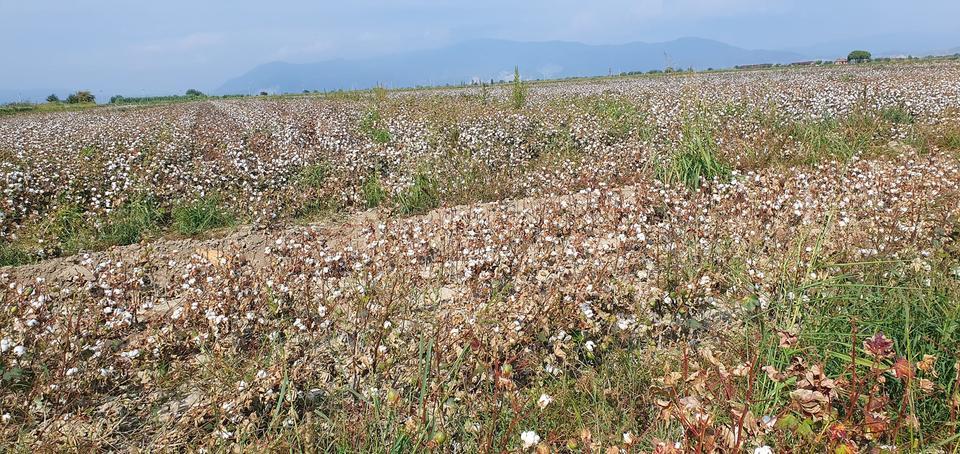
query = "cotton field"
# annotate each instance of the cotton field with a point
(716, 262)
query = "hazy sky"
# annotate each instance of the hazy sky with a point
(135, 47)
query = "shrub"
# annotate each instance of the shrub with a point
(53, 98)
(695, 161)
(201, 215)
(195, 93)
(420, 197)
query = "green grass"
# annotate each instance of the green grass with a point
(371, 127)
(19, 108)
(12, 254)
(621, 119)
(314, 175)
(69, 227)
(134, 221)
(914, 307)
(951, 139)
(200, 216)
(420, 197)
(896, 115)
(696, 159)
(373, 192)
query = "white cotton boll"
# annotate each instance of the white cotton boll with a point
(529, 439)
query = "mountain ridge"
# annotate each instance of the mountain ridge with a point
(486, 59)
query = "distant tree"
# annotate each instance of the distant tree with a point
(53, 98)
(519, 95)
(81, 97)
(859, 56)
(116, 99)
(192, 92)
(263, 93)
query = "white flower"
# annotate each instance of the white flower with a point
(530, 439)
(589, 345)
(543, 401)
(628, 438)
(5, 345)
(71, 371)
(131, 354)
(6, 418)
(763, 450)
(261, 374)
(19, 350)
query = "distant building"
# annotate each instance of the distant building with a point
(840, 61)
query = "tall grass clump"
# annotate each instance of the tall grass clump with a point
(201, 215)
(423, 195)
(696, 159)
(133, 222)
(518, 97)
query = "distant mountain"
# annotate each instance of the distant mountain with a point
(483, 60)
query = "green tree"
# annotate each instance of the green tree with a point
(859, 56)
(53, 98)
(81, 97)
(192, 92)
(519, 96)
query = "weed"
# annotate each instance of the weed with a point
(69, 227)
(518, 97)
(373, 192)
(897, 115)
(12, 254)
(696, 160)
(314, 175)
(370, 126)
(420, 197)
(201, 215)
(133, 221)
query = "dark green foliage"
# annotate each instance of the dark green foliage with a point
(194, 93)
(53, 98)
(859, 56)
(81, 97)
